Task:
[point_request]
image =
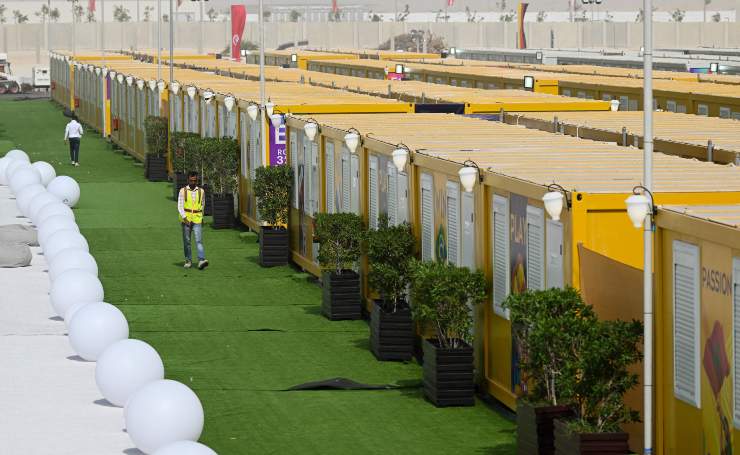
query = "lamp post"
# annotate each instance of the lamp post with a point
(159, 39)
(200, 28)
(172, 43)
(262, 53)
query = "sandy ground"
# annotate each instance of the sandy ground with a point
(48, 397)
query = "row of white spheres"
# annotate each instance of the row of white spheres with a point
(162, 417)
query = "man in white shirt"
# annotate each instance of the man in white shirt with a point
(72, 133)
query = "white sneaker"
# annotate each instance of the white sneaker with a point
(77, 164)
(187, 264)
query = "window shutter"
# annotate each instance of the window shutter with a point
(294, 159)
(373, 196)
(427, 218)
(453, 223)
(392, 194)
(535, 248)
(346, 175)
(306, 154)
(686, 322)
(355, 171)
(500, 254)
(329, 160)
(554, 245)
(736, 336)
(402, 188)
(314, 177)
(467, 217)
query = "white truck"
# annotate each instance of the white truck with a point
(41, 77)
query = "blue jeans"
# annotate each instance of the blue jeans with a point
(198, 229)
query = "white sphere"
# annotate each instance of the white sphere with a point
(125, 367)
(52, 225)
(66, 189)
(72, 258)
(62, 240)
(23, 177)
(38, 202)
(72, 311)
(75, 286)
(4, 162)
(25, 196)
(51, 210)
(13, 167)
(46, 171)
(18, 155)
(185, 448)
(95, 327)
(163, 412)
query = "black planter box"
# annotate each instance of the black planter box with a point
(223, 211)
(568, 443)
(341, 295)
(274, 246)
(155, 168)
(391, 334)
(448, 375)
(208, 203)
(534, 427)
(178, 182)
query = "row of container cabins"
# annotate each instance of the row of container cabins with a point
(496, 227)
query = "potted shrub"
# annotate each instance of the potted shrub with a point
(546, 324)
(221, 167)
(602, 378)
(389, 253)
(184, 149)
(272, 186)
(155, 166)
(340, 236)
(441, 295)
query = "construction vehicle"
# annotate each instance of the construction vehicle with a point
(8, 82)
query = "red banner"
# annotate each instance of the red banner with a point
(522, 38)
(91, 5)
(238, 20)
(450, 2)
(334, 6)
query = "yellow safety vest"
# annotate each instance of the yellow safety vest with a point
(193, 208)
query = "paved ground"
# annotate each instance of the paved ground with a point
(238, 334)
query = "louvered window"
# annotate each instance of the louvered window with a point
(373, 196)
(244, 145)
(254, 147)
(306, 155)
(736, 337)
(392, 194)
(453, 223)
(427, 218)
(535, 248)
(346, 176)
(294, 161)
(467, 221)
(402, 187)
(554, 247)
(330, 190)
(355, 171)
(686, 322)
(315, 182)
(500, 254)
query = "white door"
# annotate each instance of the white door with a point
(554, 245)
(468, 230)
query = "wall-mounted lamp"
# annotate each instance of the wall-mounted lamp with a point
(469, 175)
(175, 87)
(97, 71)
(208, 95)
(554, 200)
(252, 111)
(311, 128)
(130, 80)
(120, 78)
(152, 84)
(276, 120)
(191, 91)
(140, 84)
(229, 102)
(269, 108)
(161, 85)
(401, 156)
(639, 206)
(105, 72)
(352, 140)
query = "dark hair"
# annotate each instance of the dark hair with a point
(192, 174)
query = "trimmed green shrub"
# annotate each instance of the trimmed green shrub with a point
(272, 187)
(219, 160)
(156, 131)
(340, 237)
(389, 252)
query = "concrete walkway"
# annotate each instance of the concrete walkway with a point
(49, 402)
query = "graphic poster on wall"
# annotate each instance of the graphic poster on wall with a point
(278, 145)
(518, 270)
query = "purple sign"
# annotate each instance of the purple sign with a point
(278, 146)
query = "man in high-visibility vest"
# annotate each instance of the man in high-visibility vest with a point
(190, 204)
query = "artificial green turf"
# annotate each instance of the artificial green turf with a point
(239, 334)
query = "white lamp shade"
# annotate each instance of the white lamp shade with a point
(352, 140)
(229, 103)
(129, 80)
(638, 207)
(269, 108)
(400, 156)
(554, 204)
(208, 96)
(97, 71)
(276, 119)
(105, 72)
(161, 85)
(140, 84)
(468, 177)
(175, 87)
(311, 128)
(152, 84)
(252, 111)
(614, 105)
(120, 78)
(192, 91)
